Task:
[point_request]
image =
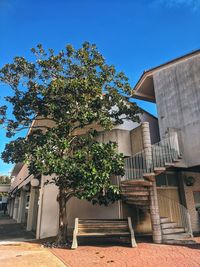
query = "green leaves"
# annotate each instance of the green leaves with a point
(62, 98)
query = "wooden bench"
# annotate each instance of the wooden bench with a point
(103, 227)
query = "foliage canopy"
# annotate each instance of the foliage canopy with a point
(56, 97)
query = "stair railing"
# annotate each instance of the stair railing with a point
(175, 212)
(157, 155)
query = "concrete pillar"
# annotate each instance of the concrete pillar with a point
(16, 206)
(32, 212)
(155, 216)
(8, 207)
(12, 210)
(147, 144)
(22, 207)
(11, 207)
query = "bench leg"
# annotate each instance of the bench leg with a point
(74, 242)
(133, 242)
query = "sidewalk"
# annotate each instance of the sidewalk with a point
(145, 255)
(10, 230)
(26, 254)
(30, 253)
(18, 248)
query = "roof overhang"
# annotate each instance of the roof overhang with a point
(17, 168)
(144, 89)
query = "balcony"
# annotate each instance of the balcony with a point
(153, 159)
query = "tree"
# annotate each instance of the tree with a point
(4, 179)
(55, 97)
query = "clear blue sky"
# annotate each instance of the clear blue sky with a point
(134, 35)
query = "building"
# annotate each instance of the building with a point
(161, 186)
(175, 88)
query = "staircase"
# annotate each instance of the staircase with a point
(137, 183)
(176, 229)
(141, 169)
(153, 160)
(172, 233)
(136, 193)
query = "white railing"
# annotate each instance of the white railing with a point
(175, 212)
(157, 155)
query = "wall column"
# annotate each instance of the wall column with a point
(11, 207)
(15, 209)
(32, 212)
(8, 207)
(22, 207)
(146, 138)
(155, 216)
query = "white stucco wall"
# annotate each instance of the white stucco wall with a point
(48, 214)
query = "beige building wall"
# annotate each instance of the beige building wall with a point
(189, 198)
(84, 209)
(121, 137)
(136, 137)
(153, 126)
(140, 219)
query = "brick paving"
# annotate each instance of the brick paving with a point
(145, 255)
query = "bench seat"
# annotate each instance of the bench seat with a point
(103, 227)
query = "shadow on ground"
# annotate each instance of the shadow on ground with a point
(11, 230)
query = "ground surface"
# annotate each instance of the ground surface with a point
(25, 254)
(10, 230)
(145, 255)
(18, 249)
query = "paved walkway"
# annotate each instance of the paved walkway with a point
(15, 252)
(145, 255)
(30, 253)
(25, 254)
(10, 230)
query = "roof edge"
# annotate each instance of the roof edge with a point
(149, 71)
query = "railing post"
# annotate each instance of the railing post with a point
(155, 216)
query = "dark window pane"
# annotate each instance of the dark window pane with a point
(196, 199)
(172, 178)
(161, 180)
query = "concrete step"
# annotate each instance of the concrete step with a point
(136, 198)
(180, 236)
(138, 202)
(179, 242)
(169, 164)
(159, 170)
(136, 193)
(165, 220)
(176, 160)
(136, 183)
(169, 225)
(149, 176)
(134, 188)
(173, 230)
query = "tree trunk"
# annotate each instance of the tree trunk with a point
(62, 232)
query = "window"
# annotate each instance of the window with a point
(196, 195)
(167, 179)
